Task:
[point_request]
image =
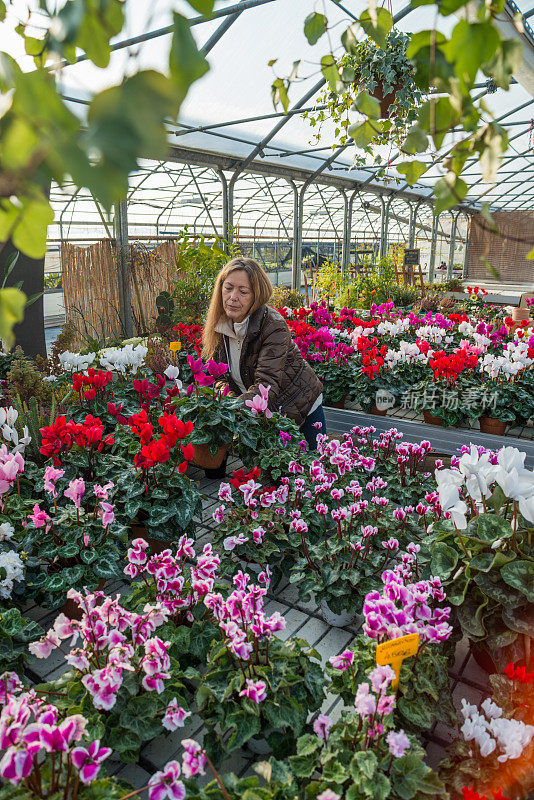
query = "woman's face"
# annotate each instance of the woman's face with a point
(237, 295)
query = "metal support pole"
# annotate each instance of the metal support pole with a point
(224, 194)
(384, 225)
(297, 241)
(345, 245)
(123, 268)
(451, 248)
(413, 222)
(349, 229)
(433, 247)
(466, 251)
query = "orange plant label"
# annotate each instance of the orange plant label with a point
(395, 651)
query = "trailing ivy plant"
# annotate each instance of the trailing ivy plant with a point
(381, 74)
(445, 69)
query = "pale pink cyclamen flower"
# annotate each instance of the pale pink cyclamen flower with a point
(51, 475)
(75, 491)
(166, 783)
(398, 743)
(175, 716)
(328, 794)
(88, 760)
(364, 702)
(321, 726)
(106, 513)
(102, 491)
(193, 759)
(381, 677)
(259, 402)
(254, 690)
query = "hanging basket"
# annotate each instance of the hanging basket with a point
(203, 458)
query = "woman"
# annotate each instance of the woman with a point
(255, 341)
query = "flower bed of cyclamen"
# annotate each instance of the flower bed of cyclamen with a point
(359, 527)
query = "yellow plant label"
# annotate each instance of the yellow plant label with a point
(395, 651)
(175, 346)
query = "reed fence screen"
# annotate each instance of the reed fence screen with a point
(91, 286)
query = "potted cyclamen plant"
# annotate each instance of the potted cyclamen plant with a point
(216, 416)
(49, 753)
(74, 536)
(493, 754)
(362, 755)
(483, 551)
(248, 530)
(273, 443)
(405, 606)
(178, 585)
(124, 682)
(155, 492)
(256, 685)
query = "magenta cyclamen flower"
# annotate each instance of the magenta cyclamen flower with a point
(343, 661)
(16, 765)
(166, 783)
(39, 517)
(254, 690)
(321, 726)
(88, 761)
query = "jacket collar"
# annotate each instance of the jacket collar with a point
(255, 321)
(254, 324)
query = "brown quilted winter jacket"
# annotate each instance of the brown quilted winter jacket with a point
(270, 356)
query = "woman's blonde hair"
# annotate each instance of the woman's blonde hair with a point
(261, 288)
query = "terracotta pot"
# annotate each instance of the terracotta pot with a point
(339, 403)
(430, 419)
(72, 610)
(385, 100)
(156, 545)
(492, 425)
(378, 412)
(520, 314)
(203, 458)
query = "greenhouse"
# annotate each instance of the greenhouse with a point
(267, 418)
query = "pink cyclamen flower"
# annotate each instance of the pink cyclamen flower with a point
(328, 794)
(75, 491)
(102, 491)
(321, 726)
(88, 761)
(166, 783)
(343, 661)
(386, 705)
(193, 759)
(51, 475)
(364, 702)
(106, 513)
(398, 743)
(175, 716)
(39, 517)
(254, 690)
(381, 677)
